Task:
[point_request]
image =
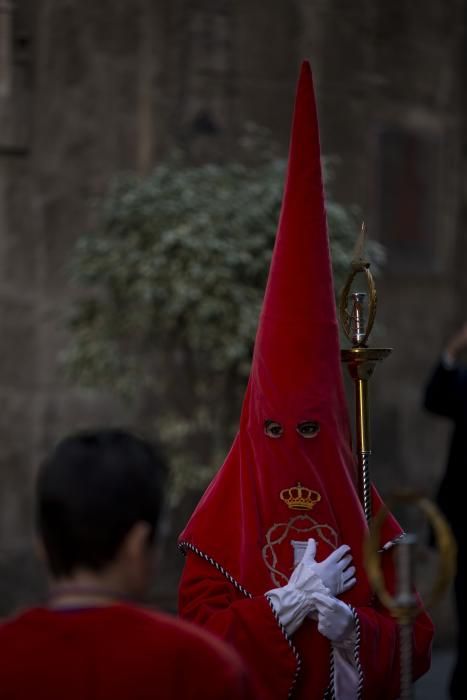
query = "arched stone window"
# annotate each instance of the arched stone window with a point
(407, 197)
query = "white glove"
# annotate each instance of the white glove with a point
(294, 601)
(290, 605)
(335, 571)
(335, 618)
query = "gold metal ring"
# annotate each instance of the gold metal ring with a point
(358, 267)
(446, 546)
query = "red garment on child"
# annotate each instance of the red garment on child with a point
(118, 652)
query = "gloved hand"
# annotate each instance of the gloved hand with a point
(335, 618)
(294, 601)
(335, 571)
(307, 575)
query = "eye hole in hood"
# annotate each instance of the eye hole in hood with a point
(273, 429)
(308, 428)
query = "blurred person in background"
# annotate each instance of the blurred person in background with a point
(98, 499)
(446, 395)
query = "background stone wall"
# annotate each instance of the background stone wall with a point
(90, 88)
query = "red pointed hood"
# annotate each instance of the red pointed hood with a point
(254, 507)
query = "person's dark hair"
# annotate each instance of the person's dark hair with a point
(91, 490)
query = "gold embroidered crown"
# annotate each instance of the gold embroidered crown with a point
(299, 497)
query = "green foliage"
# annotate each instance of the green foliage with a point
(174, 279)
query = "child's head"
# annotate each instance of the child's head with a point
(98, 499)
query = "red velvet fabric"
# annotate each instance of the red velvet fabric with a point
(244, 523)
(208, 599)
(118, 652)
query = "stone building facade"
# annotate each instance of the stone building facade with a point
(91, 88)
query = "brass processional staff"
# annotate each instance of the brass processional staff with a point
(357, 313)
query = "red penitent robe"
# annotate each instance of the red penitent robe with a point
(277, 488)
(119, 652)
(248, 623)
